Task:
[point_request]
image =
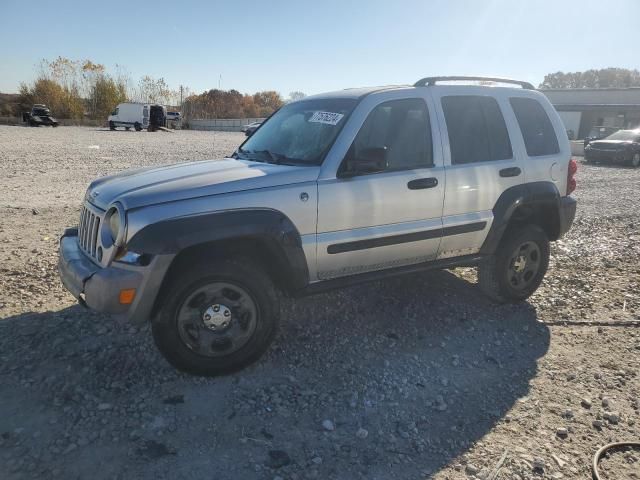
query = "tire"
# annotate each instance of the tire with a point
(112, 126)
(187, 341)
(635, 161)
(137, 126)
(127, 128)
(517, 267)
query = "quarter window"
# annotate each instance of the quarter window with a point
(477, 131)
(403, 128)
(537, 130)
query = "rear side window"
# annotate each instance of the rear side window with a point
(537, 131)
(477, 131)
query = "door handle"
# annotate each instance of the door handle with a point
(510, 172)
(420, 183)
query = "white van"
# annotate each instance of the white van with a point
(138, 116)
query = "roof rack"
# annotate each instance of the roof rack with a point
(429, 81)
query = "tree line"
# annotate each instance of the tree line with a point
(602, 78)
(78, 89)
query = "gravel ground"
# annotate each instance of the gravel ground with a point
(414, 377)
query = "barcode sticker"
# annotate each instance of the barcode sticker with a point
(326, 117)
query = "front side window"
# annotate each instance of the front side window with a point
(537, 130)
(477, 131)
(300, 133)
(402, 129)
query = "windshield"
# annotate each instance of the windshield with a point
(300, 133)
(628, 135)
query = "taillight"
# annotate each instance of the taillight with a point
(571, 176)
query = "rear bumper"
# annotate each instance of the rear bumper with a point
(99, 288)
(567, 213)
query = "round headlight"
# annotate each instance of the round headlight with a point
(114, 225)
(115, 222)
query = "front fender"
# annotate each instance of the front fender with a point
(269, 227)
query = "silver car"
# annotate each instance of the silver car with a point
(332, 190)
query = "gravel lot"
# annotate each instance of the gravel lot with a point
(415, 377)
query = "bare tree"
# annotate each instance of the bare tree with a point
(297, 95)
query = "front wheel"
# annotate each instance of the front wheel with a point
(217, 317)
(518, 266)
(112, 126)
(635, 160)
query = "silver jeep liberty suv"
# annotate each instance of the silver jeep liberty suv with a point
(331, 190)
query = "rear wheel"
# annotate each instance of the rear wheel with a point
(635, 160)
(127, 128)
(137, 126)
(517, 268)
(217, 317)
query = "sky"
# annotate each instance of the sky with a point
(318, 46)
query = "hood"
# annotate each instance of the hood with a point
(610, 144)
(182, 181)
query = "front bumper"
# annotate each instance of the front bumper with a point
(567, 213)
(99, 288)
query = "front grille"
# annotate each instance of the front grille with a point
(88, 231)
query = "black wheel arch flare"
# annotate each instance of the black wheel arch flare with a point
(269, 227)
(536, 197)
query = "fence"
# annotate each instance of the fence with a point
(220, 124)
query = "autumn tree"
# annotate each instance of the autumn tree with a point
(267, 102)
(105, 95)
(63, 102)
(217, 103)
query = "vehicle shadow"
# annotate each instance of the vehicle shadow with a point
(410, 372)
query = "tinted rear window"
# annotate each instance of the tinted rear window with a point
(537, 130)
(477, 131)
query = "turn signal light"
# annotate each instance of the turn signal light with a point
(127, 295)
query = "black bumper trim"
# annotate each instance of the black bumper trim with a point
(74, 267)
(568, 206)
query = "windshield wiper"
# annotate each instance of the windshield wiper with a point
(243, 154)
(272, 157)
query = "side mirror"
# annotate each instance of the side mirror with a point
(369, 160)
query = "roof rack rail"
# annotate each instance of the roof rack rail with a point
(429, 81)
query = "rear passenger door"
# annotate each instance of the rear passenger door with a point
(480, 163)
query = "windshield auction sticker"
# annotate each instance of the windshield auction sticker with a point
(326, 117)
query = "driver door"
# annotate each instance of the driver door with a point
(393, 217)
